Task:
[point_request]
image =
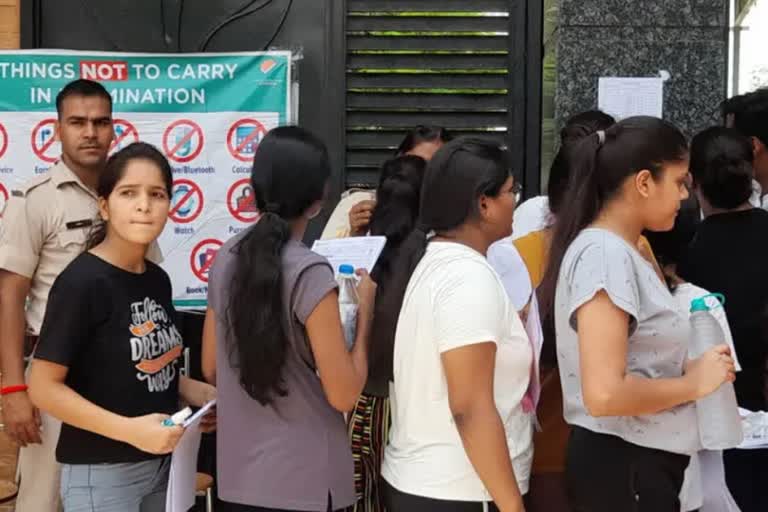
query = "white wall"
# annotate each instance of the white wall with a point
(753, 51)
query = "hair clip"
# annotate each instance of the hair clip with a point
(600, 137)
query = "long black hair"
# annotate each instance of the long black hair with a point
(397, 206)
(601, 164)
(721, 166)
(113, 172)
(460, 173)
(420, 134)
(576, 127)
(290, 172)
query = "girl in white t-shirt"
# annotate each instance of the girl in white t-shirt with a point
(461, 436)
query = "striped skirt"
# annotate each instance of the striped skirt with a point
(368, 432)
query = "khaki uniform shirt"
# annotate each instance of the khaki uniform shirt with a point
(44, 227)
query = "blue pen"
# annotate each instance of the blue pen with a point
(178, 418)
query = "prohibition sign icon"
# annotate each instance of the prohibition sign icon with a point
(3, 199)
(244, 137)
(183, 140)
(241, 201)
(123, 130)
(202, 256)
(43, 137)
(186, 201)
(3, 140)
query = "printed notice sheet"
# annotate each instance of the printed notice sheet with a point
(626, 97)
(358, 251)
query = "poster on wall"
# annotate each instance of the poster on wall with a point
(206, 112)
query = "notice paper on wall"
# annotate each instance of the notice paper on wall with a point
(624, 97)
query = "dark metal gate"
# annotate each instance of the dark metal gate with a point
(470, 66)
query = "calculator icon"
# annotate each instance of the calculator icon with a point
(245, 140)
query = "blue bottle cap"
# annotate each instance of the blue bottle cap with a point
(346, 269)
(700, 304)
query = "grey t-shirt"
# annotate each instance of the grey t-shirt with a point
(658, 337)
(292, 454)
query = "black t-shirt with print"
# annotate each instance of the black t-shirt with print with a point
(115, 332)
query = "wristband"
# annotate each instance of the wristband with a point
(7, 390)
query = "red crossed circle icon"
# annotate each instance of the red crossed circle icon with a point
(125, 133)
(244, 137)
(187, 207)
(3, 140)
(183, 140)
(202, 256)
(43, 139)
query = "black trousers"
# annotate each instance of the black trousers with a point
(397, 501)
(746, 473)
(604, 473)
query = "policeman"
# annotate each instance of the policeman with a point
(45, 225)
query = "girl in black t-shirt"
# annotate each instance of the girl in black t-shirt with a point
(107, 364)
(727, 256)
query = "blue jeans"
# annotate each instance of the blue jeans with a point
(126, 487)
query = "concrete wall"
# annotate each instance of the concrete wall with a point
(688, 38)
(9, 24)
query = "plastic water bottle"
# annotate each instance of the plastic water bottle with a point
(348, 302)
(718, 413)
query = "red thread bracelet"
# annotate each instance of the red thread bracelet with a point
(7, 390)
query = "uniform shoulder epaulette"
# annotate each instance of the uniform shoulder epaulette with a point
(30, 185)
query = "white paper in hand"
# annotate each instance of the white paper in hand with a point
(195, 418)
(361, 252)
(181, 481)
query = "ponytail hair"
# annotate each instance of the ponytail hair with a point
(576, 128)
(290, 172)
(113, 172)
(459, 174)
(721, 166)
(600, 165)
(397, 206)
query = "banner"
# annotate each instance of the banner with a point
(205, 112)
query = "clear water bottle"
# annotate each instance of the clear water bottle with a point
(718, 413)
(348, 302)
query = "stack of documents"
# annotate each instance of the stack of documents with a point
(181, 481)
(755, 426)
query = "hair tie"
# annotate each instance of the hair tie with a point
(272, 208)
(600, 137)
